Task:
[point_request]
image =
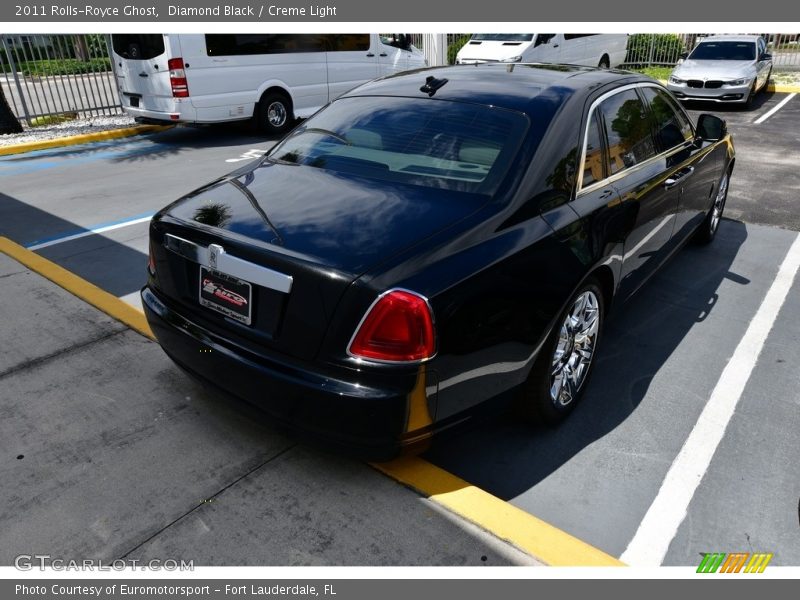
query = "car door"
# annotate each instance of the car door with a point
(351, 62)
(573, 49)
(640, 176)
(394, 51)
(546, 48)
(692, 169)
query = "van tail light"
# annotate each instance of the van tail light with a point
(177, 78)
(398, 327)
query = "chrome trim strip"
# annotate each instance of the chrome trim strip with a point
(580, 190)
(225, 263)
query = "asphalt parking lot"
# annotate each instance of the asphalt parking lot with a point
(141, 461)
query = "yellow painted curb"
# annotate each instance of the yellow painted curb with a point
(781, 88)
(82, 139)
(528, 533)
(108, 303)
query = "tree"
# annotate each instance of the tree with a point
(8, 121)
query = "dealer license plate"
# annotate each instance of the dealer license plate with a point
(226, 294)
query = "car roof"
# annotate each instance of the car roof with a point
(517, 86)
(729, 38)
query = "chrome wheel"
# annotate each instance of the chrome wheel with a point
(276, 114)
(719, 204)
(575, 349)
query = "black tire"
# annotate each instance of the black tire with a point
(536, 400)
(604, 63)
(708, 229)
(751, 96)
(274, 114)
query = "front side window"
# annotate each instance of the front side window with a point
(629, 140)
(670, 124)
(438, 144)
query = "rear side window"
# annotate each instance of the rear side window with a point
(234, 44)
(629, 139)
(138, 46)
(437, 144)
(671, 126)
(594, 163)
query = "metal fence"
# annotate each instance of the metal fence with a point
(45, 75)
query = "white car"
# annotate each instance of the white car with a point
(723, 69)
(590, 49)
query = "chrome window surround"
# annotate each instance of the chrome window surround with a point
(215, 257)
(580, 190)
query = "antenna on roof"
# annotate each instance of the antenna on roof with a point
(432, 85)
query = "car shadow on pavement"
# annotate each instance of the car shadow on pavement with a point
(507, 457)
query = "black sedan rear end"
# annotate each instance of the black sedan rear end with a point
(419, 245)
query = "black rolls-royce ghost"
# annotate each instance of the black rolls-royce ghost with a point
(431, 240)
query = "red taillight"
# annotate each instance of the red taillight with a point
(177, 78)
(151, 261)
(397, 328)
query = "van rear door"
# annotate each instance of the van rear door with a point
(143, 71)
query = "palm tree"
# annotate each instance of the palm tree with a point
(8, 122)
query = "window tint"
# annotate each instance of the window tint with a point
(138, 46)
(234, 44)
(671, 126)
(628, 131)
(574, 36)
(724, 51)
(448, 145)
(348, 42)
(503, 37)
(594, 164)
(544, 38)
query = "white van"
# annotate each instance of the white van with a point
(590, 49)
(211, 78)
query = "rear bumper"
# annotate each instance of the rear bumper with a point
(181, 112)
(350, 411)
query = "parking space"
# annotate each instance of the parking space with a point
(110, 452)
(595, 477)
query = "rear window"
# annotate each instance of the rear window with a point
(431, 143)
(724, 51)
(138, 46)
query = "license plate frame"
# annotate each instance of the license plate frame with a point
(226, 294)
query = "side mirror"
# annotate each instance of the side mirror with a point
(711, 128)
(684, 55)
(766, 56)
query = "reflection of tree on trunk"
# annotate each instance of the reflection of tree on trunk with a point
(8, 122)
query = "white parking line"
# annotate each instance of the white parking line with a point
(77, 236)
(658, 528)
(775, 109)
